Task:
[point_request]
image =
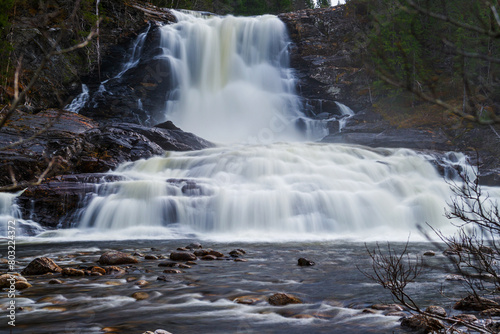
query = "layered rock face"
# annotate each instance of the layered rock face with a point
(327, 60)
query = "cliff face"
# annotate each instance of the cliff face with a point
(326, 57)
(38, 28)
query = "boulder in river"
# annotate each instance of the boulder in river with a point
(19, 282)
(281, 299)
(182, 256)
(116, 257)
(72, 272)
(305, 262)
(41, 266)
(437, 310)
(422, 324)
(473, 303)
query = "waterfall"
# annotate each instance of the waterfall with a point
(231, 78)
(275, 191)
(10, 215)
(79, 102)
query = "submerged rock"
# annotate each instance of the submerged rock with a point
(281, 299)
(116, 257)
(41, 266)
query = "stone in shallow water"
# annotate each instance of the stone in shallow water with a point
(438, 310)
(237, 252)
(465, 317)
(281, 299)
(172, 271)
(422, 324)
(19, 282)
(182, 256)
(473, 303)
(55, 281)
(41, 266)
(116, 257)
(209, 258)
(430, 253)
(305, 262)
(194, 245)
(72, 272)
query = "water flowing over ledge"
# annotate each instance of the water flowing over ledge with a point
(231, 79)
(275, 192)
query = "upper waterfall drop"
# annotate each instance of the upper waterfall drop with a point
(230, 78)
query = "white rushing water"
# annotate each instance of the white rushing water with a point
(279, 191)
(232, 78)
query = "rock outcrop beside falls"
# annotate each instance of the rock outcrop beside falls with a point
(327, 60)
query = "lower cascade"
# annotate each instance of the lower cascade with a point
(274, 191)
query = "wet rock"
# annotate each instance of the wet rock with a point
(113, 270)
(138, 254)
(437, 310)
(151, 257)
(237, 252)
(216, 253)
(281, 299)
(305, 262)
(168, 264)
(140, 295)
(473, 303)
(41, 266)
(422, 324)
(182, 256)
(430, 253)
(172, 271)
(141, 282)
(209, 258)
(465, 317)
(240, 260)
(184, 266)
(116, 257)
(370, 311)
(55, 281)
(194, 245)
(191, 263)
(98, 270)
(247, 300)
(202, 252)
(491, 312)
(72, 272)
(182, 249)
(162, 278)
(19, 282)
